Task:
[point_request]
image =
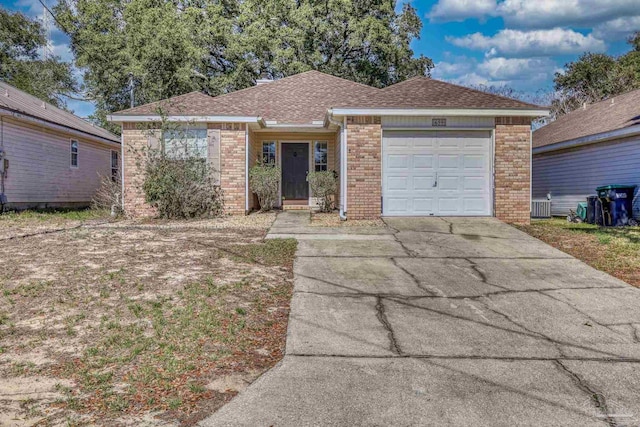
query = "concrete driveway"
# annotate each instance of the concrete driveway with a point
(443, 321)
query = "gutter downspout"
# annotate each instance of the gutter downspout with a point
(343, 159)
(343, 172)
(246, 169)
(122, 167)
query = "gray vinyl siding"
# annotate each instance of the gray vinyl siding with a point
(572, 175)
(40, 171)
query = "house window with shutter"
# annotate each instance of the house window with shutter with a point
(183, 143)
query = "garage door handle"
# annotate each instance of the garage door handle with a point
(435, 183)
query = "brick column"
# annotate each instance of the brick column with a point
(513, 169)
(232, 165)
(136, 138)
(364, 167)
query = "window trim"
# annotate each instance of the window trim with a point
(315, 163)
(71, 153)
(275, 152)
(115, 177)
(197, 127)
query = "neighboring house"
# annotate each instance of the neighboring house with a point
(598, 144)
(418, 148)
(50, 157)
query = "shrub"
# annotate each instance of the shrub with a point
(181, 188)
(264, 180)
(323, 186)
(108, 196)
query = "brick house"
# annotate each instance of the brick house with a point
(422, 147)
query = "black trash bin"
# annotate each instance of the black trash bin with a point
(617, 203)
(591, 209)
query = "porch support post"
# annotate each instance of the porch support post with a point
(343, 172)
(246, 169)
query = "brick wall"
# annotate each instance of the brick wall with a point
(136, 138)
(513, 169)
(232, 165)
(364, 174)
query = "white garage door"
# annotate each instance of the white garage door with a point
(442, 173)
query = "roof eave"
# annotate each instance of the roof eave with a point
(115, 141)
(126, 118)
(588, 139)
(483, 112)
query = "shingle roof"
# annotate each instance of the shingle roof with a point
(615, 113)
(306, 97)
(425, 92)
(21, 102)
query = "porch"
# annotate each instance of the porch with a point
(297, 154)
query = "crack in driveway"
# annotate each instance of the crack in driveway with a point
(382, 317)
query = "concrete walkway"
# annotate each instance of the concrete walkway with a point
(443, 321)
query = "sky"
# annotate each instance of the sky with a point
(518, 43)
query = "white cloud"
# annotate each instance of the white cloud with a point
(617, 29)
(510, 69)
(552, 42)
(520, 73)
(573, 13)
(543, 14)
(459, 10)
(62, 51)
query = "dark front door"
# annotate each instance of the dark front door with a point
(295, 166)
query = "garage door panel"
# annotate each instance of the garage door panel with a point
(448, 183)
(474, 205)
(458, 161)
(474, 183)
(474, 161)
(399, 183)
(423, 183)
(448, 161)
(398, 161)
(449, 205)
(396, 205)
(421, 161)
(423, 205)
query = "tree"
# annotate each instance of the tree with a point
(48, 79)
(596, 76)
(219, 46)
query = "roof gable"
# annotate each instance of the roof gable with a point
(619, 112)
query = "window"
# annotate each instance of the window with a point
(74, 153)
(269, 153)
(115, 166)
(180, 144)
(320, 155)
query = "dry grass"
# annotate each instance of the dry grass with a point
(319, 219)
(124, 323)
(615, 250)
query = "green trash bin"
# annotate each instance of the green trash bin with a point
(581, 211)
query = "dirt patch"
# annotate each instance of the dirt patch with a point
(333, 220)
(614, 250)
(127, 323)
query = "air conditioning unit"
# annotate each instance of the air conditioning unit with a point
(541, 209)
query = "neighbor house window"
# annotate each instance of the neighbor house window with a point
(269, 153)
(74, 153)
(115, 166)
(320, 155)
(180, 144)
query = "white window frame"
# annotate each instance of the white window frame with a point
(273, 144)
(326, 163)
(115, 171)
(71, 153)
(201, 127)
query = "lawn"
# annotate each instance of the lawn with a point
(127, 323)
(615, 250)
